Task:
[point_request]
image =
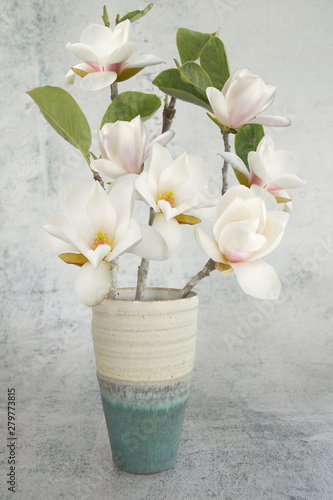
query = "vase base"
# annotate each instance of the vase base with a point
(144, 422)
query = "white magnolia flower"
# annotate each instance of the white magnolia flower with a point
(105, 55)
(175, 190)
(272, 170)
(244, 233)
(96, 229)
(244, 96)
(123, 147)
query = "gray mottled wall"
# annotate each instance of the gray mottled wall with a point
(275, 357)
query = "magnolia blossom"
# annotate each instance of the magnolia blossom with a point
(272, 170)
(175, 190)
(245, 232)
(105, 55)
(244, 97)
(123, 147)
(96, 229)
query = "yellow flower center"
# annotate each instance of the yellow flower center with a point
(101, 239)
(168, 196)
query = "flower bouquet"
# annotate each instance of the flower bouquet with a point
(144, 338)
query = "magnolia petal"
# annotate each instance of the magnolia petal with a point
(52, 243)
(92, 285)
(286, 181)
(238, 241)
(108, 168)
(61, 228)
(122, 196)
(271, 121)
(75, 208)
(129, 239)
(258, 279)
(258, 172)
(97, 36)
(234, 192)
(159, 159)
(170, 231)
(268, 198)
(70, 77)
(86, 53)
(119, 55)
(208, 246)
(101, 212)
(152, 246)
(143, 188)
(273, 232)
(143, 61)
(98, 81)
(219, 105)
(96, 256)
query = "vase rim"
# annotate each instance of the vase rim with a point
(155, 294)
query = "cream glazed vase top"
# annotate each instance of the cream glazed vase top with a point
(144, 354)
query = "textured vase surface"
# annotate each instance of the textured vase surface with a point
(144, 354)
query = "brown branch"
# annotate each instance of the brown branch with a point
(205, 271)
(168, 114)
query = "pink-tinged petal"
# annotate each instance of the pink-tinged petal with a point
(238, 241)
(152, 246)
(258, 173)
(129, 239)
(98, 81)
(121, 54)
(143, 61)
(92, 285)
(143, 188)
(286, 181)
(208, 246)
(219, 105)
(271, 121)
(257, 279)
(170, 231)
(86, 53)
(162, 139)
(108, 168)
(236, 162)
(101, 213)
(96, 256)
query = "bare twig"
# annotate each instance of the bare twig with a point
(205, 271)
(225, 136)
(168, 114)
(144, 267)
(114, 90)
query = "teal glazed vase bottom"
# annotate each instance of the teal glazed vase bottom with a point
(144, 422)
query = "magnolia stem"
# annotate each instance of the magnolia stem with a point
(168, 116)
(144, 267)
(225, 136)
(205, 271)
(114, 264)
(114, 90)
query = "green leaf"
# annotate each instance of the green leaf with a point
(128, 105)
(173, 83)
(192, 72)
(64, 114)
(247, 139)
(135, 14)
(190, 44)
(214, 61)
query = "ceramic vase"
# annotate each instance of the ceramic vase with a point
(144, 354)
